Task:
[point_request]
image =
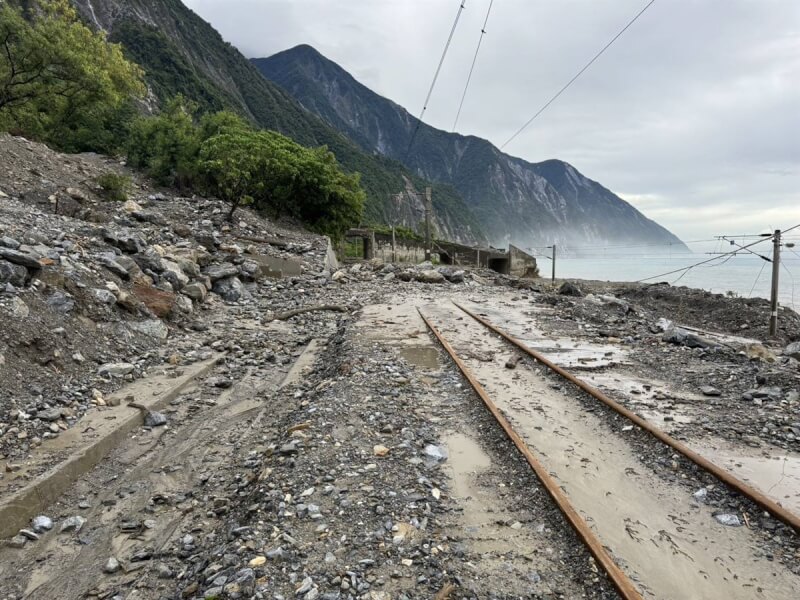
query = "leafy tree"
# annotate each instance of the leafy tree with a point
(60, 81)
(271, 171)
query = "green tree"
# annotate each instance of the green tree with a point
(60, 81)
(166, 145)
(272, 172)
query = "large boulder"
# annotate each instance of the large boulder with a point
(196, 291)
(160, 302)
(18, 257)
(16, 275)
(452, 275)
(570, 289)
(130, 244)
(429, 276)
(792, 350)
(230, 289)
(221, 271)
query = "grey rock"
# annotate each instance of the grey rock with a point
(130, 244)
(275, 554)
(250, 270)
(110, 262)
(709, 390)
(60, 302)
(155, 419)
(195, 291)
(13, 274)
(792, 350)
(149, 261)
(115, 369)
(50, 414)
(32, 536)
(429, 276)
(570, 289)
(438, 453)
(8, 242)
(677, 335)
(154, 328)
(305, 586)
(728, 519)
(452, 275)
(104, 296)
(42, 523)
(230, 289)
(75, 524)
(221, 271)
(112, 566)
(20, 258)
(18, 541)
(163, 571)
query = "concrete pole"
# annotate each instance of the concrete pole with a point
(394, 247)
(554, 264)
(428, 208)
(776, 263)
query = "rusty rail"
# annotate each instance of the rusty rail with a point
(727, 478)
(620, 581)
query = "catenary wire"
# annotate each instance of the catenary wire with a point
(578, 74)
(461, 5)
(472, 67)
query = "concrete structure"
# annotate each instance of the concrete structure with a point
(408, 250)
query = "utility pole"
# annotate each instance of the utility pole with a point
(554, 265)
(394, 247)
(428, 209)
(773, 304)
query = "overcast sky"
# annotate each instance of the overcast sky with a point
(693, 115)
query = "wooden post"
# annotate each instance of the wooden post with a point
(773, 303)
(428, 208)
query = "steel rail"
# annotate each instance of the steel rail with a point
(726, 477)
(618, 578)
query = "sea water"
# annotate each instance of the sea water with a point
(743, 276)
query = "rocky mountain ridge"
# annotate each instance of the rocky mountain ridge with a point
(526, 203)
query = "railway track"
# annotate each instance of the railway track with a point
(647, 534)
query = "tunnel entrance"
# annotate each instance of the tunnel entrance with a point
(499, 265)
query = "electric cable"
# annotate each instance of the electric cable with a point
(571, 81)
(461, 6)
(472, 67)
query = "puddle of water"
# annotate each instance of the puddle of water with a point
(777, 475)
(426, 357)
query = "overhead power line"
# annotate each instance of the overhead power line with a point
(472, 67)
(571, 81)
(729, 255)
(461, 6)
(703, 262)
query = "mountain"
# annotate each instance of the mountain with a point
(529, 204)
(183, 54)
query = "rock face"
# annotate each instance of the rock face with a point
(533, 203)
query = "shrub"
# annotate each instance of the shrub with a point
(115, 187)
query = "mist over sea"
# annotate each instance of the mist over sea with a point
(746, 276)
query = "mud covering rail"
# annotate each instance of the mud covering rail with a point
(618, 578)
(724, 476)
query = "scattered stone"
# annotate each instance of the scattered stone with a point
(728, 519)
(708, 390)
(42, 524)
(112, 566)
(115, 369)
(75, 524)
(380, 450)
(155, 419)
(570, 289)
